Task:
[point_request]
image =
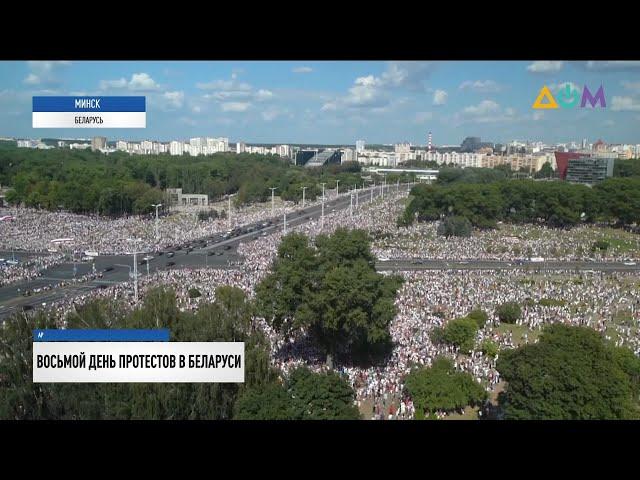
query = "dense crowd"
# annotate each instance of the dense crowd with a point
(27, 269)
(607, 302)
(33, 230)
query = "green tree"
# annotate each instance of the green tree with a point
(332, 292)
(442, 388)
(489, 348)
(461, 332)
(479, 315)
(508, 312)
(455, 227)
(304, 396)
(571, 374)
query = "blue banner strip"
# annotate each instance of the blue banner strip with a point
(82, 335)
(89, 104)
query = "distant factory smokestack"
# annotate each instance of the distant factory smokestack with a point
(429, 142)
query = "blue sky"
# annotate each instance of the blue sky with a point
(335, 102)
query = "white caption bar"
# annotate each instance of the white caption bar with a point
(138, 362)
(89, 120)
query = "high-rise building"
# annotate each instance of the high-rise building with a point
(98, 143)
(589, 170)
(470, 144)
(176, 148)
(584, 143)
(360, 146)
(241, 147)
(348, 155)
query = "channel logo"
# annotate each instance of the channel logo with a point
(568, 97)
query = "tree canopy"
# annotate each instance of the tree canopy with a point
(332, 291)
(442, 388)
(83, 181)
(226, 319)
(508, 312)
(571, 373)
(305, 395)
(555, 204)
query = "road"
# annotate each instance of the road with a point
(429, 264)
(219, 252)
(215, 251)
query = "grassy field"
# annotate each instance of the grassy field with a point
(517, 331)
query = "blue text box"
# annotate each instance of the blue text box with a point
(106, 335)
(81, 104)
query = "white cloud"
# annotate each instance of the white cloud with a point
(44, 72)
(174, 99)
(608, 123)
(613, 65)
(235, 106)
(263, 94)
(32, 79)
(109, 84)
(625, 104)
(545, 66)
(272, 113)
(481, 86)
(410, 75)
(233, 94)
(225, 85)
(142, 81)
(537, 115)
(139, 82)
(373, 93)
(483, 108)
(302, 70)
(486, 111)
(440, 97)
(556, 87)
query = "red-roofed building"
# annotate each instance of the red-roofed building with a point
(600, 146)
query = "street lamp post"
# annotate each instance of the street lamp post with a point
(229, 211)
(304, 190)
(356, 187)
(337, 188)
(351, 205)
(373, 187)
(157, 206)
(285, 222)
(135, 275)
(273, 190)
(322, 214)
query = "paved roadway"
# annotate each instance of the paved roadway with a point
(215, 251)
(220, 252)
(427, 264)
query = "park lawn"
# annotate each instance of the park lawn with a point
(517, 331)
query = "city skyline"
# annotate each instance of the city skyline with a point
(335, 102)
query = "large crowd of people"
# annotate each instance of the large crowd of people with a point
(607, 302)
(34, 230)
(27, 269)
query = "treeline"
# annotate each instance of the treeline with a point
(82, 181)
(304, 395)
(626, 168)
(557, 204)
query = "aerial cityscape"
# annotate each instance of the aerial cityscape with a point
(389, 240)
